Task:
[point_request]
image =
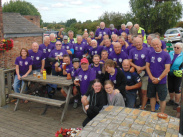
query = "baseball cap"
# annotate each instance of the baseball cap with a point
(129, 24)
(65, 37)
(84, 60)
(75, 60)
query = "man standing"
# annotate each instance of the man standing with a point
(108, 46)
(68, 46)
(157, 66)
(118, 55)
(71, 38)
(123, 29)
(37, 58)
(113, 30)
(141, 31)
(132, 30)
(53, 39)
(100, 32)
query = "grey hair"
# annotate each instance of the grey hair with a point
(153, 36)
(123, 25)
(45, 37)
(156, 39)
(70, 31)
(79, 36)
(35, 43)
(94, 41)
(52, 34)
(179, 44)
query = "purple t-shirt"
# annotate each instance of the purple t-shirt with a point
(67, 46)
(68, 67)
(79, 50)
(113, 77)
(88, 47)
(163, 44)
(36, 58)
(84, 42)
(54, 53)
(84, 78)
(118, 57)
(72, 71)
(97, 70)
(102, 32)
(121, 31)
(144, 45)
(124, 49)
(23, 64)
(157, 64)
(115, 31)
(53, 44)
(46, 52)
(96, 50)
(129, 48)
(109, 49)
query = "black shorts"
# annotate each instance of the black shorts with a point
(160, 88)
(174, 84)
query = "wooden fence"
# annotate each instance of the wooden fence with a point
(6, 81)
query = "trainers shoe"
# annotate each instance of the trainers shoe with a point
(75, 104)
(170, 103)
(157, 106)
(175, 106)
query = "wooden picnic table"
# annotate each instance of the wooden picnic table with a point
(57, 80)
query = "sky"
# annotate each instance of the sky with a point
(81, 10)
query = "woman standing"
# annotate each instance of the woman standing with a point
(113, 98)
(23, 68)
(95, 103)
(174, 82)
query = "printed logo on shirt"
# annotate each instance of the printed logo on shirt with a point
(83, 42)
(80, 77)
(72, 73)
(104, 33)
(112, 32)
(67, 47)
(85, 77)
(95, 52)
(44, 50)
(114, 59)
(61, 53)
(159, 59)
(49, 50)
(81, 48)
(26, 63)
(76, 48)
(110, 49)
(152, 59)
(73, 42)
(56, 54)
(129, 77)
(32, 57)
(114, 81)
(120, 59)
(142, 56)
(136, 56)
(37, 58)
(20, 63)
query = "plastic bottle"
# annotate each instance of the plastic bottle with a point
(44, 74)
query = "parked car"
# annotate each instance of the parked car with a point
(174, 34)
(47, 33)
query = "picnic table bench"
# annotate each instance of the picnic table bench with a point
(59, 81)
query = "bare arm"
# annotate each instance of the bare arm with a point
(30, 69)
(149, 71)
(136, 86)
(42, 65)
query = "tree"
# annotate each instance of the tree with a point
(22, 7)
(156, 15)
(70, 21)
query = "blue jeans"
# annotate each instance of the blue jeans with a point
(18, 84)
(130, 98)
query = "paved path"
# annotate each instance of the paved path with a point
(126, 122)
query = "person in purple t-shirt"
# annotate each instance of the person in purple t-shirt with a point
(149, 43)
(103, 41)
(57, 55)
(80, 49)
(53, 39)
(114, 38)
(68, 46)
(100, 32)
(104, 56)
(137, 59)
(118, 55)
(112, 29)
(124, 35)
(157, 67)
(85, 36)
(123, 29)
(85, 75)
(140, 36)
(95, 49)
(133, 46)
(108, 46)
(162, 42)
(123, 43)
(37, 58)
(46, 48)
(23, 68)
(92, 35)
(129, 39)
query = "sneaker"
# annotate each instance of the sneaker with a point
(157, 106)
(170, 103)
(75, 104)
(175, 106)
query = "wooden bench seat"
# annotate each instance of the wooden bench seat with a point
(38, 99)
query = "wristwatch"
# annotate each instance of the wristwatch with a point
(159, 79)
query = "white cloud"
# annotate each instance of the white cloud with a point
(76, 2)
(43, 8)
(57, 5)
(96, 7)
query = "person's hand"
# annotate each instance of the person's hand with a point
(19, 77)
(86, 107)
(76, 83)
(60, 57)
(69, 52)
(152, 78)
(99, 37)
(56, 57)
(101, 63)
(116, 91)
(138, 69)
(24, 76)
(41, 71)
(56, 64)
(132, 69)
(61, 36)
(62, 29)
(127, 88)
(155, 81)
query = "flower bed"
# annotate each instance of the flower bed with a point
(71, 132)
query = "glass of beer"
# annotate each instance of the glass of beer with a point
(34, 74)
(39, 75)
(77, 80)
(64, 66)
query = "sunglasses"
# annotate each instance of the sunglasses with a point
(176, 47)
(58, 44)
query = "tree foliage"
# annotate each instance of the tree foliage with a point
(22, 7)
(156, 15)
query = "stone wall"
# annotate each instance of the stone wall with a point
(7, 59)
(34, 19)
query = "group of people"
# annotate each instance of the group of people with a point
(111, 66)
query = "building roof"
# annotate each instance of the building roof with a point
(14, 23)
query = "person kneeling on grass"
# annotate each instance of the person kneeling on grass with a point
(113, 98)
(95, 103)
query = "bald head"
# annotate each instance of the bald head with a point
(35, 47)
(117, 47)
(126, 65)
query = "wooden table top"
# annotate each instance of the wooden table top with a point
(58, 80)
